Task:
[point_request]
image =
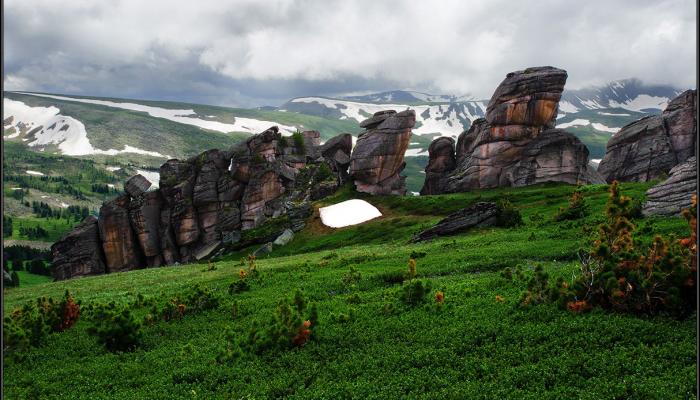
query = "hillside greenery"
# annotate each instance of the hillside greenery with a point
(445, 325)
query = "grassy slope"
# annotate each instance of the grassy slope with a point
(476, 348)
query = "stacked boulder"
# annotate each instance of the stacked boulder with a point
(204, 203)
(649, 148)
(516, 143)
(377, 159)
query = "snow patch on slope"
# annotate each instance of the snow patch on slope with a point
(347, 213)
(642, 102)
(187, 117)
(53, 128)
(584, 122)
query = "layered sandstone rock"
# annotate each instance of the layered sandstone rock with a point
(79, 252)
(515, 144)
(377, 159)
(648, 148)
(205, 203)
(675, 194)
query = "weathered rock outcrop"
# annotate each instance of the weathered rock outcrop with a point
(377, 159)
(79, 252)
(675, 194)
(516, 143)
(648, 148)
(441, 160)
(480, 214)
(205, 203)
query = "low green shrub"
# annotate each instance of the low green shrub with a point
(576, 209)
(116, 328)
(508, 215)
(292, 325)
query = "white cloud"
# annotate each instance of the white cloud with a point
(224, 49)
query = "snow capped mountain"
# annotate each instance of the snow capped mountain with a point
(629, 94)
(407, 97)
(447, 118)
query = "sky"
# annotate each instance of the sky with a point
(249, 53)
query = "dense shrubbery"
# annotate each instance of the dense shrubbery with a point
(621, 275)
(31, 324)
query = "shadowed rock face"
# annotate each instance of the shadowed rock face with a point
(441, 160)
(378, 156)
(675, 194)
(515, 144)
(121, 249)
(79, 252)
(648, 148)
(337, 152)
(203, 203)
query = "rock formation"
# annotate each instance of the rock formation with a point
(675, 194)
(481, 214)
(516, 144)
(79, 252)
(648, 148)
(377, 159)
(205, 203)
(441, 155)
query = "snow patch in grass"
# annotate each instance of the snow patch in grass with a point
(347, 213)
(37, 173)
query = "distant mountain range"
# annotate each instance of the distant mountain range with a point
(146, 133)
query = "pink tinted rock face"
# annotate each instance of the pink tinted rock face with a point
(515, 144)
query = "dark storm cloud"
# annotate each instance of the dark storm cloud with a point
(250, 53)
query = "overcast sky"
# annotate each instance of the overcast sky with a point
(263, 52)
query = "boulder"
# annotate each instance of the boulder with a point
(648, 148)
(672, 196)
(377, 159)
(441, 160)
(79, 252)
(137, 185)
(480, 214)
(515, 144)
(284, 238)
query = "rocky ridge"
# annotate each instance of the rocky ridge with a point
(205, 203)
